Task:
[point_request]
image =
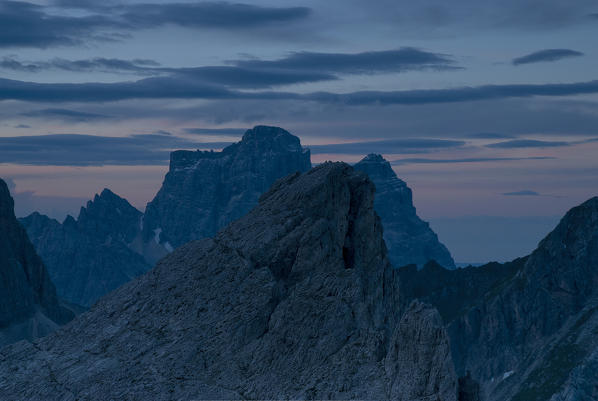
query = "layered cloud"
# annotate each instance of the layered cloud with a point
(525, 192)
(63, 115)
(466, 160)
(547, 55)
(371, 62)
(91, 150)
(186, 86)
(528, 143)
(27, 24)
(304, 67)
(386, 146)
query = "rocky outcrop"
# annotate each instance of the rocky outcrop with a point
(527, 330)
(29, 307)
(409, 239)
(419, 359)
(93, 255)
(204, 191)
(294, 300)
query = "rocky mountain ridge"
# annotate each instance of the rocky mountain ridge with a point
(409, 239)
(526, 330)
(294, 300)
(29, 307)
(94, 254)
(203, 192)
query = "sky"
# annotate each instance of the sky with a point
(487, 109)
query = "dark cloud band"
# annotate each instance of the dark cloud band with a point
(30, 25)
(185, 87)
(90, 150)
(547, 55)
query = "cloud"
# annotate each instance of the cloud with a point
(219, 15)
(463, 94)
(525, 192)
(185, 86)
(155, 88)
(90, 150)
(489, 135)
(239, 77)
(372, 62)
(30, 25)
(388, 146)
(466, 160)
(64, 115)
(547, 55)
(304, 67)
(20, 126)
(438, 18)
(215, 131)
(528, 143)
(97, 64)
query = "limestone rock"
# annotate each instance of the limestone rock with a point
(204, 191)
(93, 255)
(526, 330)
(29, 307)
(294, 300)
(409, 239)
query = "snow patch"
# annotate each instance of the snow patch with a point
(157, 232)
(507, 374)
(168, 246)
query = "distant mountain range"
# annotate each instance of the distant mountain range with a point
(297, 299)
(94, 254)
(526, 330)
(111, 242)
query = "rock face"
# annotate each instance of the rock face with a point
(294, 300)
(29, 307)
(204, 191)
(409, 239)
(419, 359)
(527, 332)
(93, 255)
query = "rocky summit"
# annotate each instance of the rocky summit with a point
(93, 255)
(409, 239)
(29, 307)
(525, 330)
(204, 191)
(294, 300)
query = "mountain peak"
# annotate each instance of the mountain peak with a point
(374, 157)
(265, 138)
(409, 239)
(295, 300)
(377, 167)
(6, 201)
(204, 191)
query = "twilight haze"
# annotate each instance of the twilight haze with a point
(488, 110)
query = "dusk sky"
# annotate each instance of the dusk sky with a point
(487, 109)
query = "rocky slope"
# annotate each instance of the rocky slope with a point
(29, 307)
(93, 255)
(204, 191)
(409, 239)
(527, 330)
(294, 300)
